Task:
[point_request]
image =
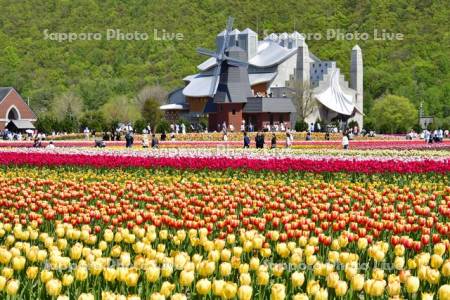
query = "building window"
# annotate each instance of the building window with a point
(326, 64)
(320, 65)
(13, 114)
(234, 111)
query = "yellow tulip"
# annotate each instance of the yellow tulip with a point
(12, 287)
(110, 274)
(67, 279)
(278, 270)
(436, 261)
(245, 279)
(167, 288)
(444, 292)
(399, 250)
(63, 297)
(399, 262)
(433, 276)
(312, 287)
(412, 284)
(282, 250)
(46, 275)
(265, 252)
(341, 288)
(53, 287)
(2, 282)
(32, 272)
(332, 280)
(254, 263)
(86, 296)
(157, 296)
(362, 243)
(278, 292)
(439, 249)
(262, 277)
(301, 296)
(166, 270)
(357, 282)
(81, 273)
(225, 255)
(178, 296)
(217, 287)
(245, 292)
(5, 256)
(297, 279)
(132, 279)
(377, 274)
(203, 286)
(427, 296)
(18, 263)
(229, 290)
(152, 274)
(446, 268)
(186, 278)
(393, 288)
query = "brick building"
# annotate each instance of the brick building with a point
(14, 108)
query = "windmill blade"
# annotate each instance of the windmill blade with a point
(216, 75)
(230, 21)
(226, 37)
(207, 52)
(236, 62)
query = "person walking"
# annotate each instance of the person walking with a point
(273, 142)
(155, 143)
(345, 141)
(288, 139)
(246, 140)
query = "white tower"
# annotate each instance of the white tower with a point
(248, 40)
(303, 62)
(356, 82)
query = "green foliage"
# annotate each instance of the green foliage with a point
(163, 126)
(417, 67)
(151, 112)
(46, 124)
(393, 114)
(139, 125)
(94, 120)
(301, 125)
(352, 124)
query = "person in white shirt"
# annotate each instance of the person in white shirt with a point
(345, 142)
(86, 133)
(50, 145)
(183, 128)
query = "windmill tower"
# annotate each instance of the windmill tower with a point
(230, 85)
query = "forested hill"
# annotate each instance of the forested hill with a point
(98, 71)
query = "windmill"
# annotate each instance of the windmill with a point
(221, 57)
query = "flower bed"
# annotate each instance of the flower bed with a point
(252, 160)
(86, 233)
(357, 144)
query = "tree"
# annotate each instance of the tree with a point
(304, 102)
(67, 103)
(155, 92)
(393, 114)
(121, 108)
(151, 112)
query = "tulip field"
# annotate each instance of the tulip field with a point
(80, 223)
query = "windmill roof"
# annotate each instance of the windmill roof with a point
(269, 53)
(200, 85)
